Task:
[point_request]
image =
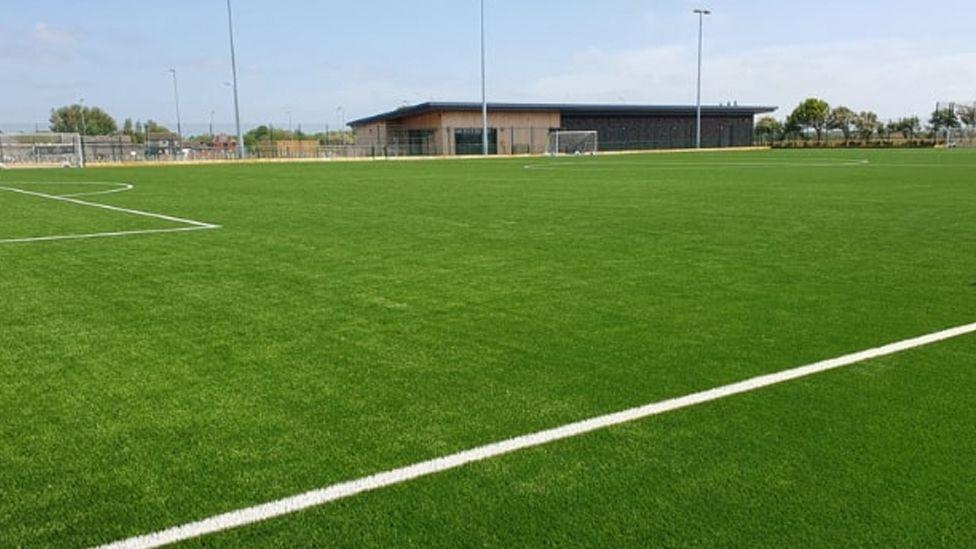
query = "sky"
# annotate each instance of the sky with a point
(303, 60)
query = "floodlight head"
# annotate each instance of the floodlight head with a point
(703, 12)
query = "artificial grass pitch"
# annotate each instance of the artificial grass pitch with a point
(353, 318)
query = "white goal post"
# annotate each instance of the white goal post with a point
(41, 149)
(957, 123)
(572, 142)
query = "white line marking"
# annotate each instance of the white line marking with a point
(670, 165)
(193, 225)
(102, 235)
(315, 498)
(121, 188)
(118, 187)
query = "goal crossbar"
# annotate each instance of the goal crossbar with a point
(41, 149)
(573, 142)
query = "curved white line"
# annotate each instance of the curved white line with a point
(120, 187)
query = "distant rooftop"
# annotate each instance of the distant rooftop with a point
(568, 108)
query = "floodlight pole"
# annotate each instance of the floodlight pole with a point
(698, 108)
(233, 64)
(179, 119)
(84, 130)
(484, 88)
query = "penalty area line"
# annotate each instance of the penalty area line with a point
(342, 490)
(193, 225)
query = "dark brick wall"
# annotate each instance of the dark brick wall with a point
(663, 132)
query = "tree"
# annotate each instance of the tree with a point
(152, 127)
(908, 127)
(944, 119)
(967, 115)
(842, 118)
(866, 124)
(266, 134)
(84, 120)
(769, 129)
(138, 135)
(812, 113)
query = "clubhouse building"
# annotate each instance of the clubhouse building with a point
(448, 129)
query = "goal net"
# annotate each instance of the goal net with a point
(572, 142)
(41, 149)
(954, 123)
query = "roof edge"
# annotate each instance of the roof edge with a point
(563, 108)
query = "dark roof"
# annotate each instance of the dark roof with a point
(568, 109)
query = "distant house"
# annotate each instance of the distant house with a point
(224, 143)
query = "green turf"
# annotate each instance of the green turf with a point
(760, 470)
(30, 216)
(350, 318)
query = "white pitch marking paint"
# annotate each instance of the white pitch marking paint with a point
(315, 498)
(118, 187)
(102, 235)
(193, 225)
(834, 163)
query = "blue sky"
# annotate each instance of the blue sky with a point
(308, 58)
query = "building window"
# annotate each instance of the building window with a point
(467, 141)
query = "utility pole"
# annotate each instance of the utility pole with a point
(484, 87)
(233, 64)
(176, 96)
(698, 109)
(84, 130)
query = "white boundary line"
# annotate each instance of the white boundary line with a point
(193, 225)
(118, 187)
(315, 498)
(671, 165)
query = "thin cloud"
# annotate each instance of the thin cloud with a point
(51, 35)
(891, 77)
(40, 44)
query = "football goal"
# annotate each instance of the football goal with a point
(572, 142)
(41, 149)
(955, 123)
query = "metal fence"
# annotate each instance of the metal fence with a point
(396, 142)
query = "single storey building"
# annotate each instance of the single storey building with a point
(447, 129)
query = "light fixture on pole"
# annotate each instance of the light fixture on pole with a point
(233, 64)
(698, 109)
(176, 96)
(484, 88)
